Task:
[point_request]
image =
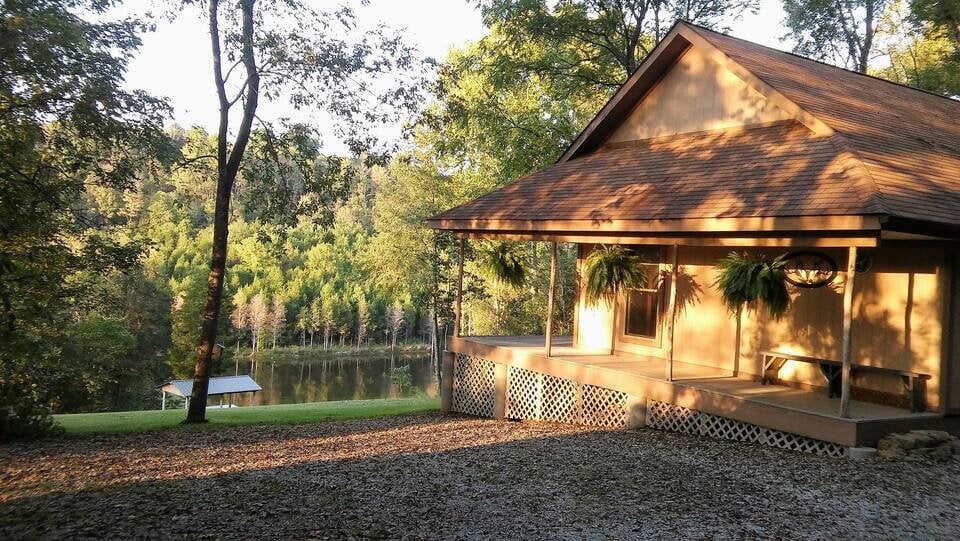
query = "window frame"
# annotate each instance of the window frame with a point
(658, 290)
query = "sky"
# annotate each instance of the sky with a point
(174, 61)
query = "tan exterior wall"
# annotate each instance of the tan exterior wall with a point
(698, 94)
(591, 322)
(951, 376)
(899, 310)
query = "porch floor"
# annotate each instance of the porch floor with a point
(804, 412)
(701, 377)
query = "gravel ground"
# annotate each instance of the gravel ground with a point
(430, 476)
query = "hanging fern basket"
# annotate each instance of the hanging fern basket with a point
(753, 280)
(501, 261)
(609, 270)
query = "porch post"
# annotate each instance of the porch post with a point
(548, 346)
(672, 310)
(847, 332)
(457, 309)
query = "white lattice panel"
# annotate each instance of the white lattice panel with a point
(535, 396)
(473, 386)
(603, 407)
(559, 401)
(793, 442)
(524, 394)
(672, 418)
(666, 416)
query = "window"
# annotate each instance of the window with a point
(643, 305)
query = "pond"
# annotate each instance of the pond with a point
(323, 376)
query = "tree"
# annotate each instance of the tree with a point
(395, 319)
(240, 316)
(278, 318)
(316, 317)
(66, 122)
(327, 301)
(258, 319)
(942, 16)
(921, 53)
(307, 63)
(303, 324)
(838, 31)
(363, 315)
(585, 38)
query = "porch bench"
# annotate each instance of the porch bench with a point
(914, 383)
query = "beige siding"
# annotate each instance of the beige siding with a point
(952, 346)
(898, 316)
(698, 94)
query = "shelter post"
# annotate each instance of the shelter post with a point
(458, 307)
(847, 332)
(163, 400)
(672, 309)
(548, 346)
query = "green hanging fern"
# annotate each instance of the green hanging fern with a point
(745, 279)
(609, 270)
(500, 261)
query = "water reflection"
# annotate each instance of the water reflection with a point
(296, 379)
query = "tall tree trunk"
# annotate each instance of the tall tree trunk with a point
(228, 165)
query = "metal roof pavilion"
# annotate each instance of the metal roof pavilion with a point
(218, 386)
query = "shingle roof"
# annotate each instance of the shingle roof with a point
(895, 152)
(782, 169)
(909, 140)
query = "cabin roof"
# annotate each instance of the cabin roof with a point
(218, 386)
(859, 146)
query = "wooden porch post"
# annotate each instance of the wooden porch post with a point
(847, 332)
(457, 309)
(672, 309)
(548, 346)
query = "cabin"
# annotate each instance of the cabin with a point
(717, 145)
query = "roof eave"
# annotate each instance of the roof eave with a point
(716, 226)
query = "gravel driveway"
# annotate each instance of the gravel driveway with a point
(430, 476)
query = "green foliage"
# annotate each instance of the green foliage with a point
(748, 280)
(598, 42)
(608, 270)
(26, 380)
(71, 136)
(840, 32)
(500, 261)
(922, 41)
(941, 16)
(401, 378)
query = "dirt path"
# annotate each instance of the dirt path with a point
(430, 476)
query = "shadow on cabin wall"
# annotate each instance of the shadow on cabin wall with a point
(897, 324)
(897, 321)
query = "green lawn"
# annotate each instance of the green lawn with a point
(140, 421)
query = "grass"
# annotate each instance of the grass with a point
(142, 421)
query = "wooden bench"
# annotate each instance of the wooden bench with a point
(913, 382)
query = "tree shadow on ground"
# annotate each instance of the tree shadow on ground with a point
(429, 476)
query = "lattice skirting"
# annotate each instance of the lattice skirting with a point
(536, 396)
(473, 385)
(666, 416)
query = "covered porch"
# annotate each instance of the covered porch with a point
(716, 391)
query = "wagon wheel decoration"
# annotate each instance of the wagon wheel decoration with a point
(810, 269)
